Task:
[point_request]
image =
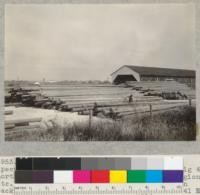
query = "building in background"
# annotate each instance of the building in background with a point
(141, 73)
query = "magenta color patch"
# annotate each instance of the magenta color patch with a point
(81, 176)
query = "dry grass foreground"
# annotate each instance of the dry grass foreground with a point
(176, 125)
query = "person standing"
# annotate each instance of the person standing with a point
(130, 99)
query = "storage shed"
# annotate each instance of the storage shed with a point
(141, 73)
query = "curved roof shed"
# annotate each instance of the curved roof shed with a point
(130, 72)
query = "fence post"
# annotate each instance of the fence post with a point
(190, 102)
(150, 106)
(90, 118)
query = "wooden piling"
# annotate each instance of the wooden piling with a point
(20, 121)
(150, 107)
(8, 112)
(90, 118)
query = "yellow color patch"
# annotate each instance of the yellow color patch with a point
(118, 176)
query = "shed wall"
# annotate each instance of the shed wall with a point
(125, 71)
(186, 80)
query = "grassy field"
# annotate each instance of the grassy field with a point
(176, 125)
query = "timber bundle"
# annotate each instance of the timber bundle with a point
(144, 103)
(170, 90)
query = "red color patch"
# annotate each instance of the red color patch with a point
(100, 176)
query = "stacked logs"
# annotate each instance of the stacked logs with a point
(31, 98)
(170, 90)
(111, 109)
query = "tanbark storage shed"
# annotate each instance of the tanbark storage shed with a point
(141, 73)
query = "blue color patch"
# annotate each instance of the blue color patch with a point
(154, 176)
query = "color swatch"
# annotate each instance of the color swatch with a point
(99, 170)
(154, 176)
(136, 176)
(118, 176)
(100, 176)
(63, 177)
(81, 176)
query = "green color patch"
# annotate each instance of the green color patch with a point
(136, 176)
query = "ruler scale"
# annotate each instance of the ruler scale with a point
(104, 175)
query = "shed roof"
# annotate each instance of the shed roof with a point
(154, 71)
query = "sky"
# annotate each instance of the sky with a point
(89, 42)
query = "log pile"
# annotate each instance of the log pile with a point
(112, 108)
(30, 97)
(170, 90)
(8, 112)
(15, 128)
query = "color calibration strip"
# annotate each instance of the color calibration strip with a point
(99, 170)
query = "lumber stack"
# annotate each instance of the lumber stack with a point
(154, 108)
(8, 112)
(22, 121)
(30, 97)
(118, 111)
(15, 128)
(19, 95)
(171, 90)
(107, 100)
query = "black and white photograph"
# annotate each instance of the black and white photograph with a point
(100, 72)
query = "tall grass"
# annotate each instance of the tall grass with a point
(176, 125)
(171, 125)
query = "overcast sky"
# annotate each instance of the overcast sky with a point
(83, 42)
